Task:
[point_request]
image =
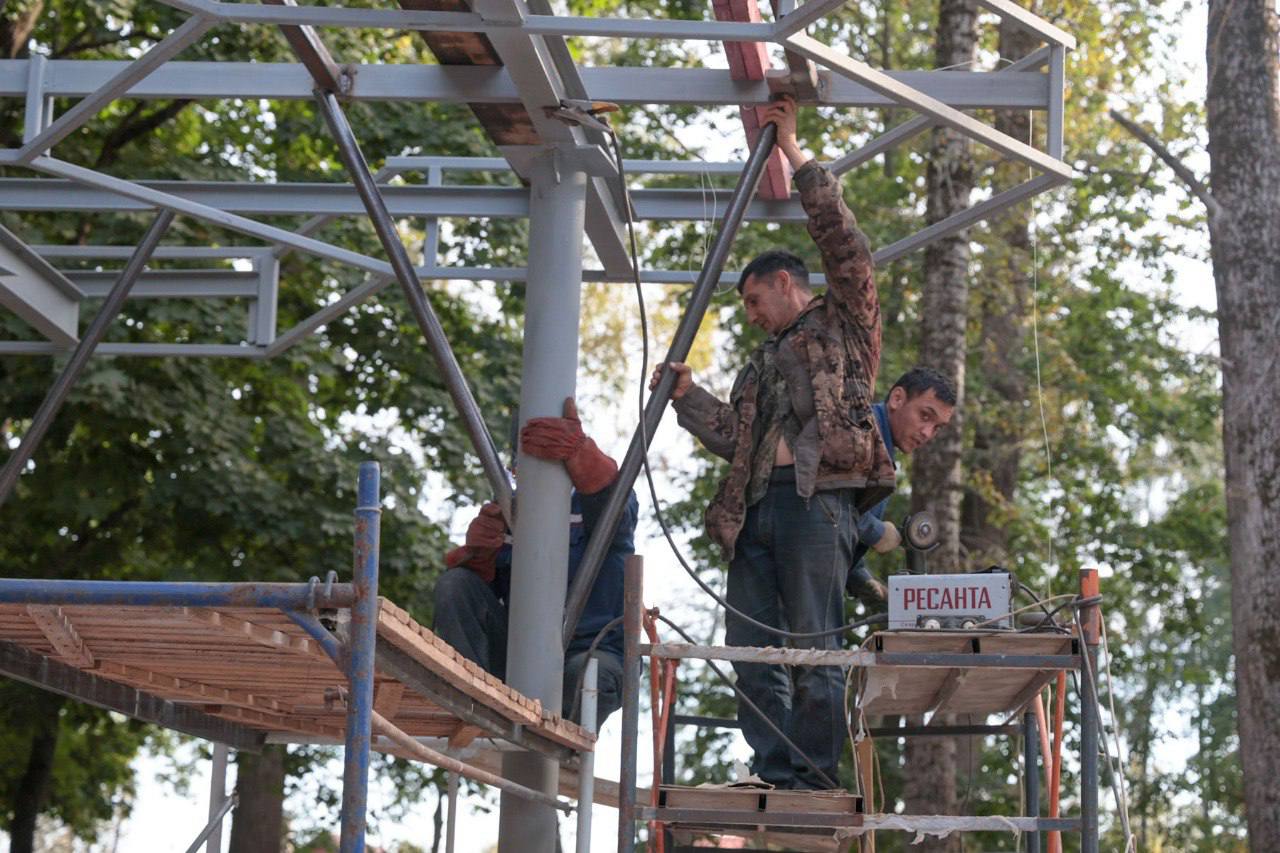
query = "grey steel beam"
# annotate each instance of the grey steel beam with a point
(28, 667)
(48, 410)
(394, 19)
(35, 116)
(901, 133)
(142, 197)
(802, 16)
(186, 253)
(172, 284)
(69, 78)
(36, 292)
(460, 392)
(656, 406)
(989, 209)
(1029, 22)
(67, 123)
(914, 99)
(223, 204)
(1057, 85)
(148, 350)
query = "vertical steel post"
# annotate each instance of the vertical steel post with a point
(587, 767)
(80, 357)
(1089, 722)
(632, 607)
(1031, 770)
(360, 654)
(656, 407)
(540, 555)
(451, 834)
(437, 341)
(217, 795)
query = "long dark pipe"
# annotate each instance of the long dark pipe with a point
(656, 407)
(75, 365)
(437, 341)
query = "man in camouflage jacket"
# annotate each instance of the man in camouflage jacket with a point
(807, 458)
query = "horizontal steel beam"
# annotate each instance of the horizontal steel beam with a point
(76, 78)
(341, 200)
(286, 596)
(148, 350)
(161, 253)
(177, 284)
(28, 667)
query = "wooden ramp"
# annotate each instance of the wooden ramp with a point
(255, 668)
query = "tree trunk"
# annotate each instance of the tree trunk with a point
(936, 482)
(998, 414)
(32, 791)
(1243, 106)
(258, 822)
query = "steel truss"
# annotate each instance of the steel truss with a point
(566, 167)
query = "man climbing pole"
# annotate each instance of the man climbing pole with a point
(807, 458)
(471, 597)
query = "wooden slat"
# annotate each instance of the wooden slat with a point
(61, 634)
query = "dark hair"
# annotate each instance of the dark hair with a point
(917, 380)
(776, 261)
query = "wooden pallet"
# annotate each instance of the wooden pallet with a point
(253, 666)
(976, 690)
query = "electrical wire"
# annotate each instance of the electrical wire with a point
(644, 437)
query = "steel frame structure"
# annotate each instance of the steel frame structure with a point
(568, 177)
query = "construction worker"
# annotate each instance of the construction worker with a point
(918, 405)
(806, 460)
(471, 597)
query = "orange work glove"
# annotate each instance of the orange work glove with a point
(562, 439)
(485, 537)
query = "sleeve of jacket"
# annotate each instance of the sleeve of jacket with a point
(713, 422)
(846, 257)
(624, 536)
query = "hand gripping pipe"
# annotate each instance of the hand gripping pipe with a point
(437, 341)
(681, 343)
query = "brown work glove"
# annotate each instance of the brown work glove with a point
(590, 469)
(485, 537)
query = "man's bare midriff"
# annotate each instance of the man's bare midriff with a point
(783, 455)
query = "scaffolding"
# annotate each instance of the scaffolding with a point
(510, 62)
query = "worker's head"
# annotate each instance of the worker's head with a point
(774, 289)
(919, 404)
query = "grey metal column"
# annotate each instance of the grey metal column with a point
(540, 557)
(437, 341)
(1031, 770)
(75, 366)
(217, 795)
(587, 769)
(632, 607)
(1089, 622)
(656, 407)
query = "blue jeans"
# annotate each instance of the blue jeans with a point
(788, 571)
(472, 619)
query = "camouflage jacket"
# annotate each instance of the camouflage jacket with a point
(816, 376)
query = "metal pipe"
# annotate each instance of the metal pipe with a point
(215, 822)
(655, 408)
(428, 322)
(540, 548)
(423, 753)
(360, 661)
(330, 644)
(632, 605)
(451, 831)
(286, 596)
(75, 365)
(217, 797)
(1031, 772)
(1089, 723)
(587, 770)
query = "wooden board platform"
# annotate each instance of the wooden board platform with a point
(253, 666)
(976, 690)
(807, 820)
